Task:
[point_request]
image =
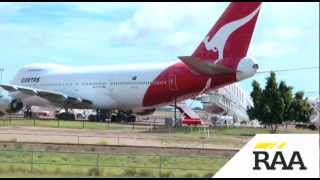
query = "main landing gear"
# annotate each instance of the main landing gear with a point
(28, 112)
(66, 115)
(123, 117)
(114, 116)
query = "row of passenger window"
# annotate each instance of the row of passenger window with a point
(103, 83)
(138, 83)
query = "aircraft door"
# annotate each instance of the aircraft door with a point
(172, 81)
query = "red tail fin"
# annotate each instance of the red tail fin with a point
(228, 40)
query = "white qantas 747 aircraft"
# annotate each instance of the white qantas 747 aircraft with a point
(219, 60)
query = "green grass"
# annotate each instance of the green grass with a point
(58, 164)
(128, 165)
(219, 137)
(236, 131)
(179, 137)
(63, 124)
(180, 131)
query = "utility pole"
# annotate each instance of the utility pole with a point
(175, 112)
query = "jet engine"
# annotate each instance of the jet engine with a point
(9, 104)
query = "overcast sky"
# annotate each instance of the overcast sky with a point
(79, 34)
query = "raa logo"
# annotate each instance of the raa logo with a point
(262, 157)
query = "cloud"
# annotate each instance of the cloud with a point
(288, 32)
(275, 42)
(10, 8)
(103, 7)
(282, 28)
(107, 33)
(180, 40)
(164, 18)
(269, 49)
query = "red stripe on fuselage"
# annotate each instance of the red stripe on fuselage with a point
(179, 81)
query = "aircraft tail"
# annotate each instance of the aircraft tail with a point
(228, 40)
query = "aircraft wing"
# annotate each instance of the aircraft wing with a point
(52, 96)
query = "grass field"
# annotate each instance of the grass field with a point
(181, 136)
(220, 137)
(61, 124)
(183, 131)
(57, 164)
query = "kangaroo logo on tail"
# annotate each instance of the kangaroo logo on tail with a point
(219, 39)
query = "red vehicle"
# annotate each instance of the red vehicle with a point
(191, 121)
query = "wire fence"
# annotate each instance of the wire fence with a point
(13, 120)
(108, 165)
(107, 140)
(145, 122)
(78, 138)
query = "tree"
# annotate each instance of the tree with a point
(269, 105)
(275, 104)
(256, 94)
(300, 109)
(286, 94)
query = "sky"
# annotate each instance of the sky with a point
(80, 34)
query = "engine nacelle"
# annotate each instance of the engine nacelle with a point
(247, 67)
(9, 105)
(145, 112)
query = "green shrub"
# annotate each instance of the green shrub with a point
(57, 171)
(18, 146)
(208, 175)
(94, 172)
(12, 169)
(145, 173)
(190, 175)
(130, 172)
(167, 174)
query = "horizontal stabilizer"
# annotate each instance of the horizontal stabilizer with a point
(205, 66)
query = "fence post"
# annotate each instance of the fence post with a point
(97, 164)
(31, 165)
(160, 165)
(34, 122)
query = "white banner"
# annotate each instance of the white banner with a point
(275, 155)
